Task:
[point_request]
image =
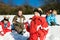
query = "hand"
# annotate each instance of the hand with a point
(1, 33)
(9, 27)
(38, 27)
(1, 28)
(45, 28)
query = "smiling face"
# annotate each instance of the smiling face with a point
(5, 22)
(36, 14)
(50, 11)
(19, 13)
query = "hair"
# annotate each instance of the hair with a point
(36, 10)
(51, 9)
(55, 12)
(19, 10)
(5, 19)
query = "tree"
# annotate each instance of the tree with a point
(51, 1)
(1, 1)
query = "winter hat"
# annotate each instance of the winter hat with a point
(51, 9)
(36, 10)
(6, 19)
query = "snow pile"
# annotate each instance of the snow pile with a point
(54, 33)
(26, 16)
(14, 36)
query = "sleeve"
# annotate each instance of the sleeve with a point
(14, 19)
(55, 20)
(48, 20)
(9, 26)
(32, 27)
(26, 26)
(44, 24)
(0, 23)
(24, 18)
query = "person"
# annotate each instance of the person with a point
(38, 27)
(51, 17)
(18, 22)
(48, 15)
(54, 19)
(5, 24)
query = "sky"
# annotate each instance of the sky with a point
(33, 3)
(36, 3)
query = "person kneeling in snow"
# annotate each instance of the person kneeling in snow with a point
(5, 26)
(38, 27)
(18, 22)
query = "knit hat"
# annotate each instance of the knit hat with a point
(36, 10)
(6, 19)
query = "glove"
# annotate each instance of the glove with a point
(38, 27)
(45, 28)
(1, 28)
(24, 30)
(9, 27)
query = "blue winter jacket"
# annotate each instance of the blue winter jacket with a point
(51, 18)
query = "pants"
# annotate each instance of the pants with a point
(19, 28)
(40, 34)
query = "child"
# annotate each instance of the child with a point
(51, 17)
(38, 26)
(18, 22)
(5, 24)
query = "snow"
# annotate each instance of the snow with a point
(53, 34)
(26, 16)
(14, 36)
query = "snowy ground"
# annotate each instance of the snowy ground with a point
(53, 34)
(26, 16)
(14, 36)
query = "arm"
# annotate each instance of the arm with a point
(9, 26)
(44, 24)
(14, 19)
(1, 30)
(48, 19)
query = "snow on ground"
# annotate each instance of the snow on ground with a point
(53, 34)
(17, 36)
(14, 36)
(26, 16)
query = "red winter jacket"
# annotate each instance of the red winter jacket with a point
(36, 21)
(5, 30)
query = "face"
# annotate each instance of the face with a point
(47, 13)
(36, 14)
(50, 11)
(19, 13)
(5, 22)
